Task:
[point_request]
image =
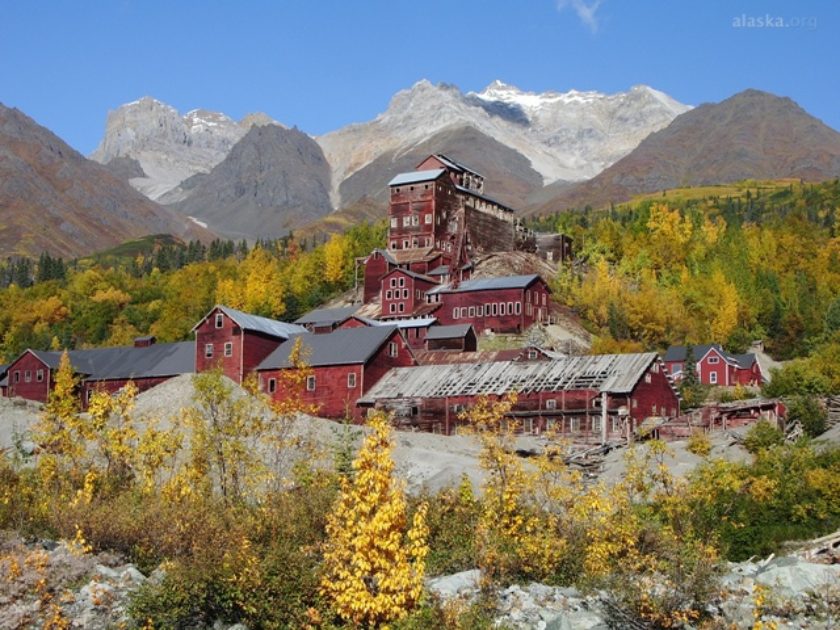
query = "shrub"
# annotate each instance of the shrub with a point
(699, 444)
(809, 412)
(762, 435)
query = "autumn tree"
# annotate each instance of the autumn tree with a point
(373, 568)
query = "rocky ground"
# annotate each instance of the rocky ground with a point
(796, 594)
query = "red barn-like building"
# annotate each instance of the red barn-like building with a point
(237, 342)
(593, 398)
(715, 366)
(344, 365)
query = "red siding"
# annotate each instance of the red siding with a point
(656, 398)
(33, 389)
(533, 307)
(375, 267)
(114, 385)
(711, 364)
(402, 293)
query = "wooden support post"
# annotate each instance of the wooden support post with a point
(603, 417)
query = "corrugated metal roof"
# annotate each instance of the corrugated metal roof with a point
(615, 373)
(454, 164)
(485, 284)
(340, 347)
(327, 315)
(408, 255)
(452, 331)
(126, 362)
(246, 321)
(478, 195)
(416, 176)
(412, 322)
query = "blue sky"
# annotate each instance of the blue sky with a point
(322, 65)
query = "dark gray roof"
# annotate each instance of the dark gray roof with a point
(327, 315)
(340, 347)
(415, 177)
(454, 165)
(678, 353)
(124, 362)
(412, 274)
(5, 377)
(453, 331)
(256, 323)
(745, 361)
(485, 284)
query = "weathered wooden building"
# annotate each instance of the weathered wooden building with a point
(237, 342)
(715, 366)
(344, 364)
(591, 398)
(324, 320)
(503, 304)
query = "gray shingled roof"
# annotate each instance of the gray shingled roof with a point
(485, 284)
(340, 347)
(125, 362)
(679, 353)
(452, 331)
(415, 177)
(327, 315)
(614, 373)
(256, 323)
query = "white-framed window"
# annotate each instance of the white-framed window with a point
(39, 375)
(415, 220)
(401, 307)
(310, 383)
(208, 350)
(655, 368)
(393, 282)
(596, 423)
(501, 308)
(406, 221)
(272, 385)
(405, 294)
(88, 395)
(388, 294)
(532, 354)
(393, 349)
(574, 425)
(393, 244)
(428, 218)
(648, 378)
(228, 348)
(510, 308)
(392, 308)
(471, 312)
(714, 360)
(713, 378)
(351, 380)
(220, 320)
(479, 310)
(456, 312)
(551, 403)
(635, 403)
(394, 222)
(405, 244)
(27, 376)
(517, 307)
(495, 308)
(402, 281)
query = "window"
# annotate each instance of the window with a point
(518, 307)
(428, 218)
(510, 308)
(574, 425)
(635, 403)
(39, 375)
(220, 320)
(27, 376)
(532, 354)
(596, 423)
(394, 222)
(393, 282)
(310, 383)
(392, 308)
(351, 380)
(393, 349)
(713, 360)
(479, 310)
(616, 425)
(648, 378)
(17, 376)
(388, 294)
(471, 311)
(543, 298)
(551, 403)
(405, 294)
(88, 395)
(405, 244)
(208, 350)
(406, 221)
(272, 385)
(713, 378)
(401, 307)
(228, 348)
(456, 312)
(495, 308)
(501, 308)
(415, 220)
(655, 368)
(528, 297)
(393, 244)
(402, 282)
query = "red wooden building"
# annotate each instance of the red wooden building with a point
(714, 365)
(324, 320)
(32, 374)
(590, 398)
(344, 365)
(404, 292)
(236, 341)
(504, 304)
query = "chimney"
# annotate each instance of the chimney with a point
(144, 342)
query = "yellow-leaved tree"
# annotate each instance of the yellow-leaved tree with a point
(373, 568)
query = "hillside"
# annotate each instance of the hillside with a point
(272, 181)
(54, 199)
(751, 135)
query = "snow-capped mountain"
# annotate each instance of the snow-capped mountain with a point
(566, 136)
(167, 147)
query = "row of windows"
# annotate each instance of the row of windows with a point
(311, 383)
(536, 297)
(490, 309)
(411, 220)
(208, 350)
(396, 294)
(415, 242)
(27, 376)
(396, 308)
